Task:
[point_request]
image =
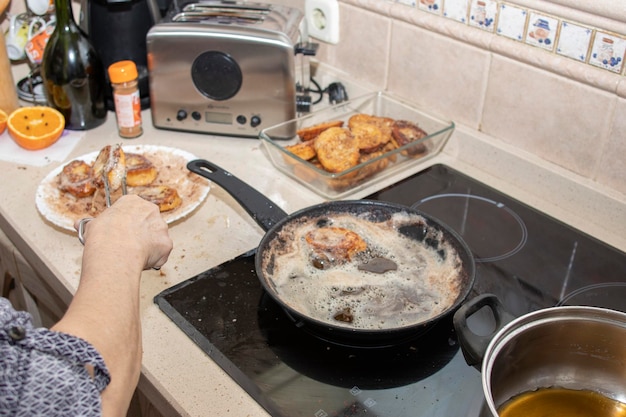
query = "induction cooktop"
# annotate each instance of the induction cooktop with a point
(526, 258)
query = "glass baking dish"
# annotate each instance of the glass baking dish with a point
(336, 185)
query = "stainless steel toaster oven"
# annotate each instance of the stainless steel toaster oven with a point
(226, 67)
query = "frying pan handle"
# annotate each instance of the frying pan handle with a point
(473, 345)
(262, 209)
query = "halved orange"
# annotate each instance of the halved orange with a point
(3, 121)
(35, 127)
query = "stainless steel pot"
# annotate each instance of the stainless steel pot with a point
(572, 347)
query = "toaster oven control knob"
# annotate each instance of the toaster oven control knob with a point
(216, 75)
(255, 121)
(181, 115)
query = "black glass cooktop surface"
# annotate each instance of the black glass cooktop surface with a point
(529, 260)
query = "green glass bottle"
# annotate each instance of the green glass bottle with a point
(73, 74)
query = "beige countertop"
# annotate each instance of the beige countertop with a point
(220, 229)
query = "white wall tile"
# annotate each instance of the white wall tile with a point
(574, 41)
(364, 49)
(456, 10)
(512, 21)
(560, 120)
(439, 74)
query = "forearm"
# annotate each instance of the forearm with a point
(120, 243)
(107, 316)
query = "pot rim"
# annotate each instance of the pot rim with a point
(534, 319)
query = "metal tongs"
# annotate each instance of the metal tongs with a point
(107, 187)
(107, 196)
(107, 199)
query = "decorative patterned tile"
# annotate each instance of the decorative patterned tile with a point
(574, 41)
(511, 21)
(541, 31)
(608, 52)
(483, 14)
(456, 10)
(433, 6)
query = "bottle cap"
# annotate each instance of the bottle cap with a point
(122, 72)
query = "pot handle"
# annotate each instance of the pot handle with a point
(473, 345)
(262, 209)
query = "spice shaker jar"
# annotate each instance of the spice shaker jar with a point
(123, 76)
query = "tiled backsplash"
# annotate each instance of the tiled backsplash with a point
(537, 79)
(575, 40)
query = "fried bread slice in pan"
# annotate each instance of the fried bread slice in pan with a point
(332, 245)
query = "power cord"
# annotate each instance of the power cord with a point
(336, 92)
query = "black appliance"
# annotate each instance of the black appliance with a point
(117, 29)
(528, 259)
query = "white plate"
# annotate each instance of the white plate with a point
(63, 209)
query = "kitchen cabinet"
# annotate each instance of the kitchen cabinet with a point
(25, 288)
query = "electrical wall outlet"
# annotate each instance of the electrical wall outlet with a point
(322, 18)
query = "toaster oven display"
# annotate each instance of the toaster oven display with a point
(221, 118)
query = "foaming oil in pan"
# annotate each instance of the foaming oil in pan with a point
(418, 280)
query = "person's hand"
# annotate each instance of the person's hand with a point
(132, 227)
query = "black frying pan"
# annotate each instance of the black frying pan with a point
(272, 219)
